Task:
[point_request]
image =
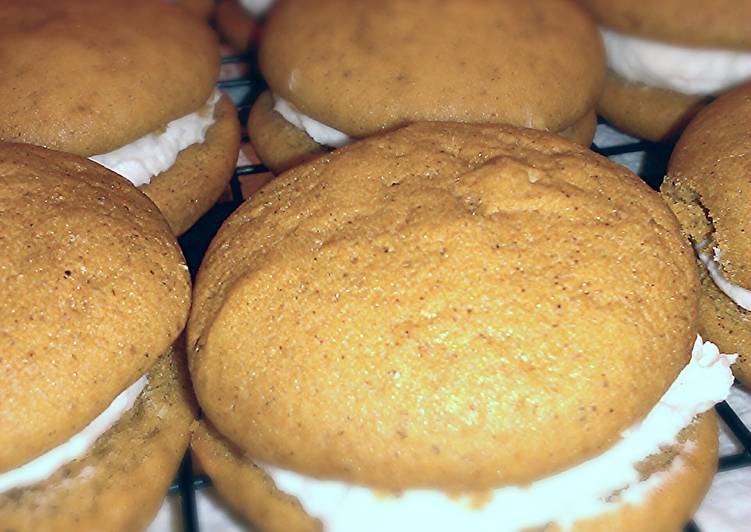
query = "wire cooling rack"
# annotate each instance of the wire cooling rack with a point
(196, 241)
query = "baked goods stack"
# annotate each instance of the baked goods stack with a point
(444, 312)
(398, 325)
(95, 404)
(709, 188)
(413, 61)
(129, 85)
(667, 59)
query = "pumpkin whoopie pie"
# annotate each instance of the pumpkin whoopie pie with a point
(709, 187)
(94, 403)
(128, 84)
(667, 59)
(385, 64)
(465, 327)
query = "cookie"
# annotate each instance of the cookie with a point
(130, 85)
(120, 483)
(95, 291)
(278, 143)
(282, 146)
(668, 59)
(422, 309)
(199, 175)
(708, 188)
(717, 24)
(253, 495)
(388, 64)
(647, 112)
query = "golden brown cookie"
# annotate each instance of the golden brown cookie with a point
(281, 146)
(120, 483)
(647, 112)
(726, 324)
(120, 71)
(278, 143)
(712, 160)
(246, 488)
(716, 24)
(390, 63)
(414, 62)
(482, 267)
(253, 495)
(645, 94)
(95, 289)
(708, 188)
(199, 176)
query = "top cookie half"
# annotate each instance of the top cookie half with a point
(361, 66)
(88, 77)
(719, 23)
(709, 180)
(442, 287)
(94, 289)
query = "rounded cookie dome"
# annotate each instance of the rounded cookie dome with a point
(94, 290)
(384, 64)
(89, 77)
(424, 308)
(708, 178)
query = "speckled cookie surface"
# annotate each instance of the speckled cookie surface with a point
(712, 161)
(719, 23)
(95, 289)
(201, 172)
(725, 324)
(252, 494)
(281, 145)
(646, 112)
(120, 483)
(709, 187)
(443, 287)
(384, 64)
(88, 77)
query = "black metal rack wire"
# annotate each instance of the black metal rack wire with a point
(195, 242)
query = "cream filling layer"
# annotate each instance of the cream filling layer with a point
(257, 7)
(738, 294)
(321, 133)
(42, 467)
(141, 160)
(686, 70)
(599, 485)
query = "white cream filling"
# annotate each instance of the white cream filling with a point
(152, 154)
(738, 294)
(44, 466)
(686, 70)
(592, 488)
(257, 7)
(321, 133)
